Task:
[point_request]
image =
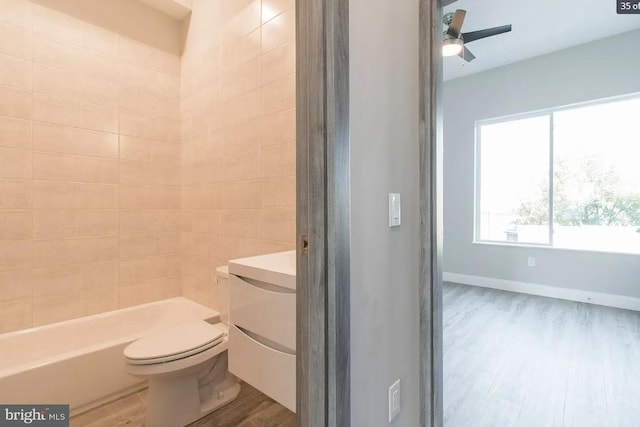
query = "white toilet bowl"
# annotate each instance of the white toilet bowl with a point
(186, 366)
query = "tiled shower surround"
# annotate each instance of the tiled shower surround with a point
(238, 135)
(127, 173)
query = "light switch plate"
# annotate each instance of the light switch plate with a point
(394, 209)
(394, 400)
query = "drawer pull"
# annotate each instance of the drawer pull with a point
(266, 342)
(267, 286)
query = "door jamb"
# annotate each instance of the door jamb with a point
(323, 283)
(323, 328)
(431, 202)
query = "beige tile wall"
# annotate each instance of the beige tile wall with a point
(89, 168)
(101, 205)
(238, 136)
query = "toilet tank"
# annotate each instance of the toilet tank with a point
(222, 283)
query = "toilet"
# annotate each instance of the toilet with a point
(186, 366)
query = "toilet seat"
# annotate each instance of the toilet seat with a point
(174, 343)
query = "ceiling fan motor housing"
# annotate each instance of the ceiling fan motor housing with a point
(454, 35)
(448, 17)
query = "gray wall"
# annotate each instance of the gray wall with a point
(384, 158)
(599, 69)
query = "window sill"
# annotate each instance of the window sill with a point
(553, 248)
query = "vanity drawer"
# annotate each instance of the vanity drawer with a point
(265, 310)
(271, 371)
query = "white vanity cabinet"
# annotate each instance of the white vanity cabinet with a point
(262, 330)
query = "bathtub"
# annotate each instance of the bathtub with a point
(79, 362)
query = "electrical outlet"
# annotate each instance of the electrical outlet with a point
(394, 400)
(531, 261)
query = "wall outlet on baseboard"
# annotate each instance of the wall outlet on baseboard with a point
(531, 261)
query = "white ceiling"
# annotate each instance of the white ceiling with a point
(539, 27)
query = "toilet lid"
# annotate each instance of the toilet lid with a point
(174, 343)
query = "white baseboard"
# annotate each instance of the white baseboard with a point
(609, 300)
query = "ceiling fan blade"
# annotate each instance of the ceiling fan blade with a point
(481, 34)
(456, 23)
(466, 54)
(445, 3)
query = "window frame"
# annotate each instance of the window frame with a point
(478, 172)
(550, 113)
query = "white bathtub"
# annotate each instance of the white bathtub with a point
(79, 362)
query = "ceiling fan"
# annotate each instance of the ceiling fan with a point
(455, 40)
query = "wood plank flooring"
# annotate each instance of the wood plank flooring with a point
(250, 409)
(512, 359)
(126, 411)
(509, 360)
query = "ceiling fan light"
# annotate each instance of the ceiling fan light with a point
(451, 46)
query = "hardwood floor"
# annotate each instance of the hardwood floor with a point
(520, 360)
(250, 409)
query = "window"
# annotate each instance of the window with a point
(566, 177)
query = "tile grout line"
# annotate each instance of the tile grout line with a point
(118, 302)
(33, 211)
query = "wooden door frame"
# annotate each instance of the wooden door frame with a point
(323, 213)
(323, 305)
(431, 203)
